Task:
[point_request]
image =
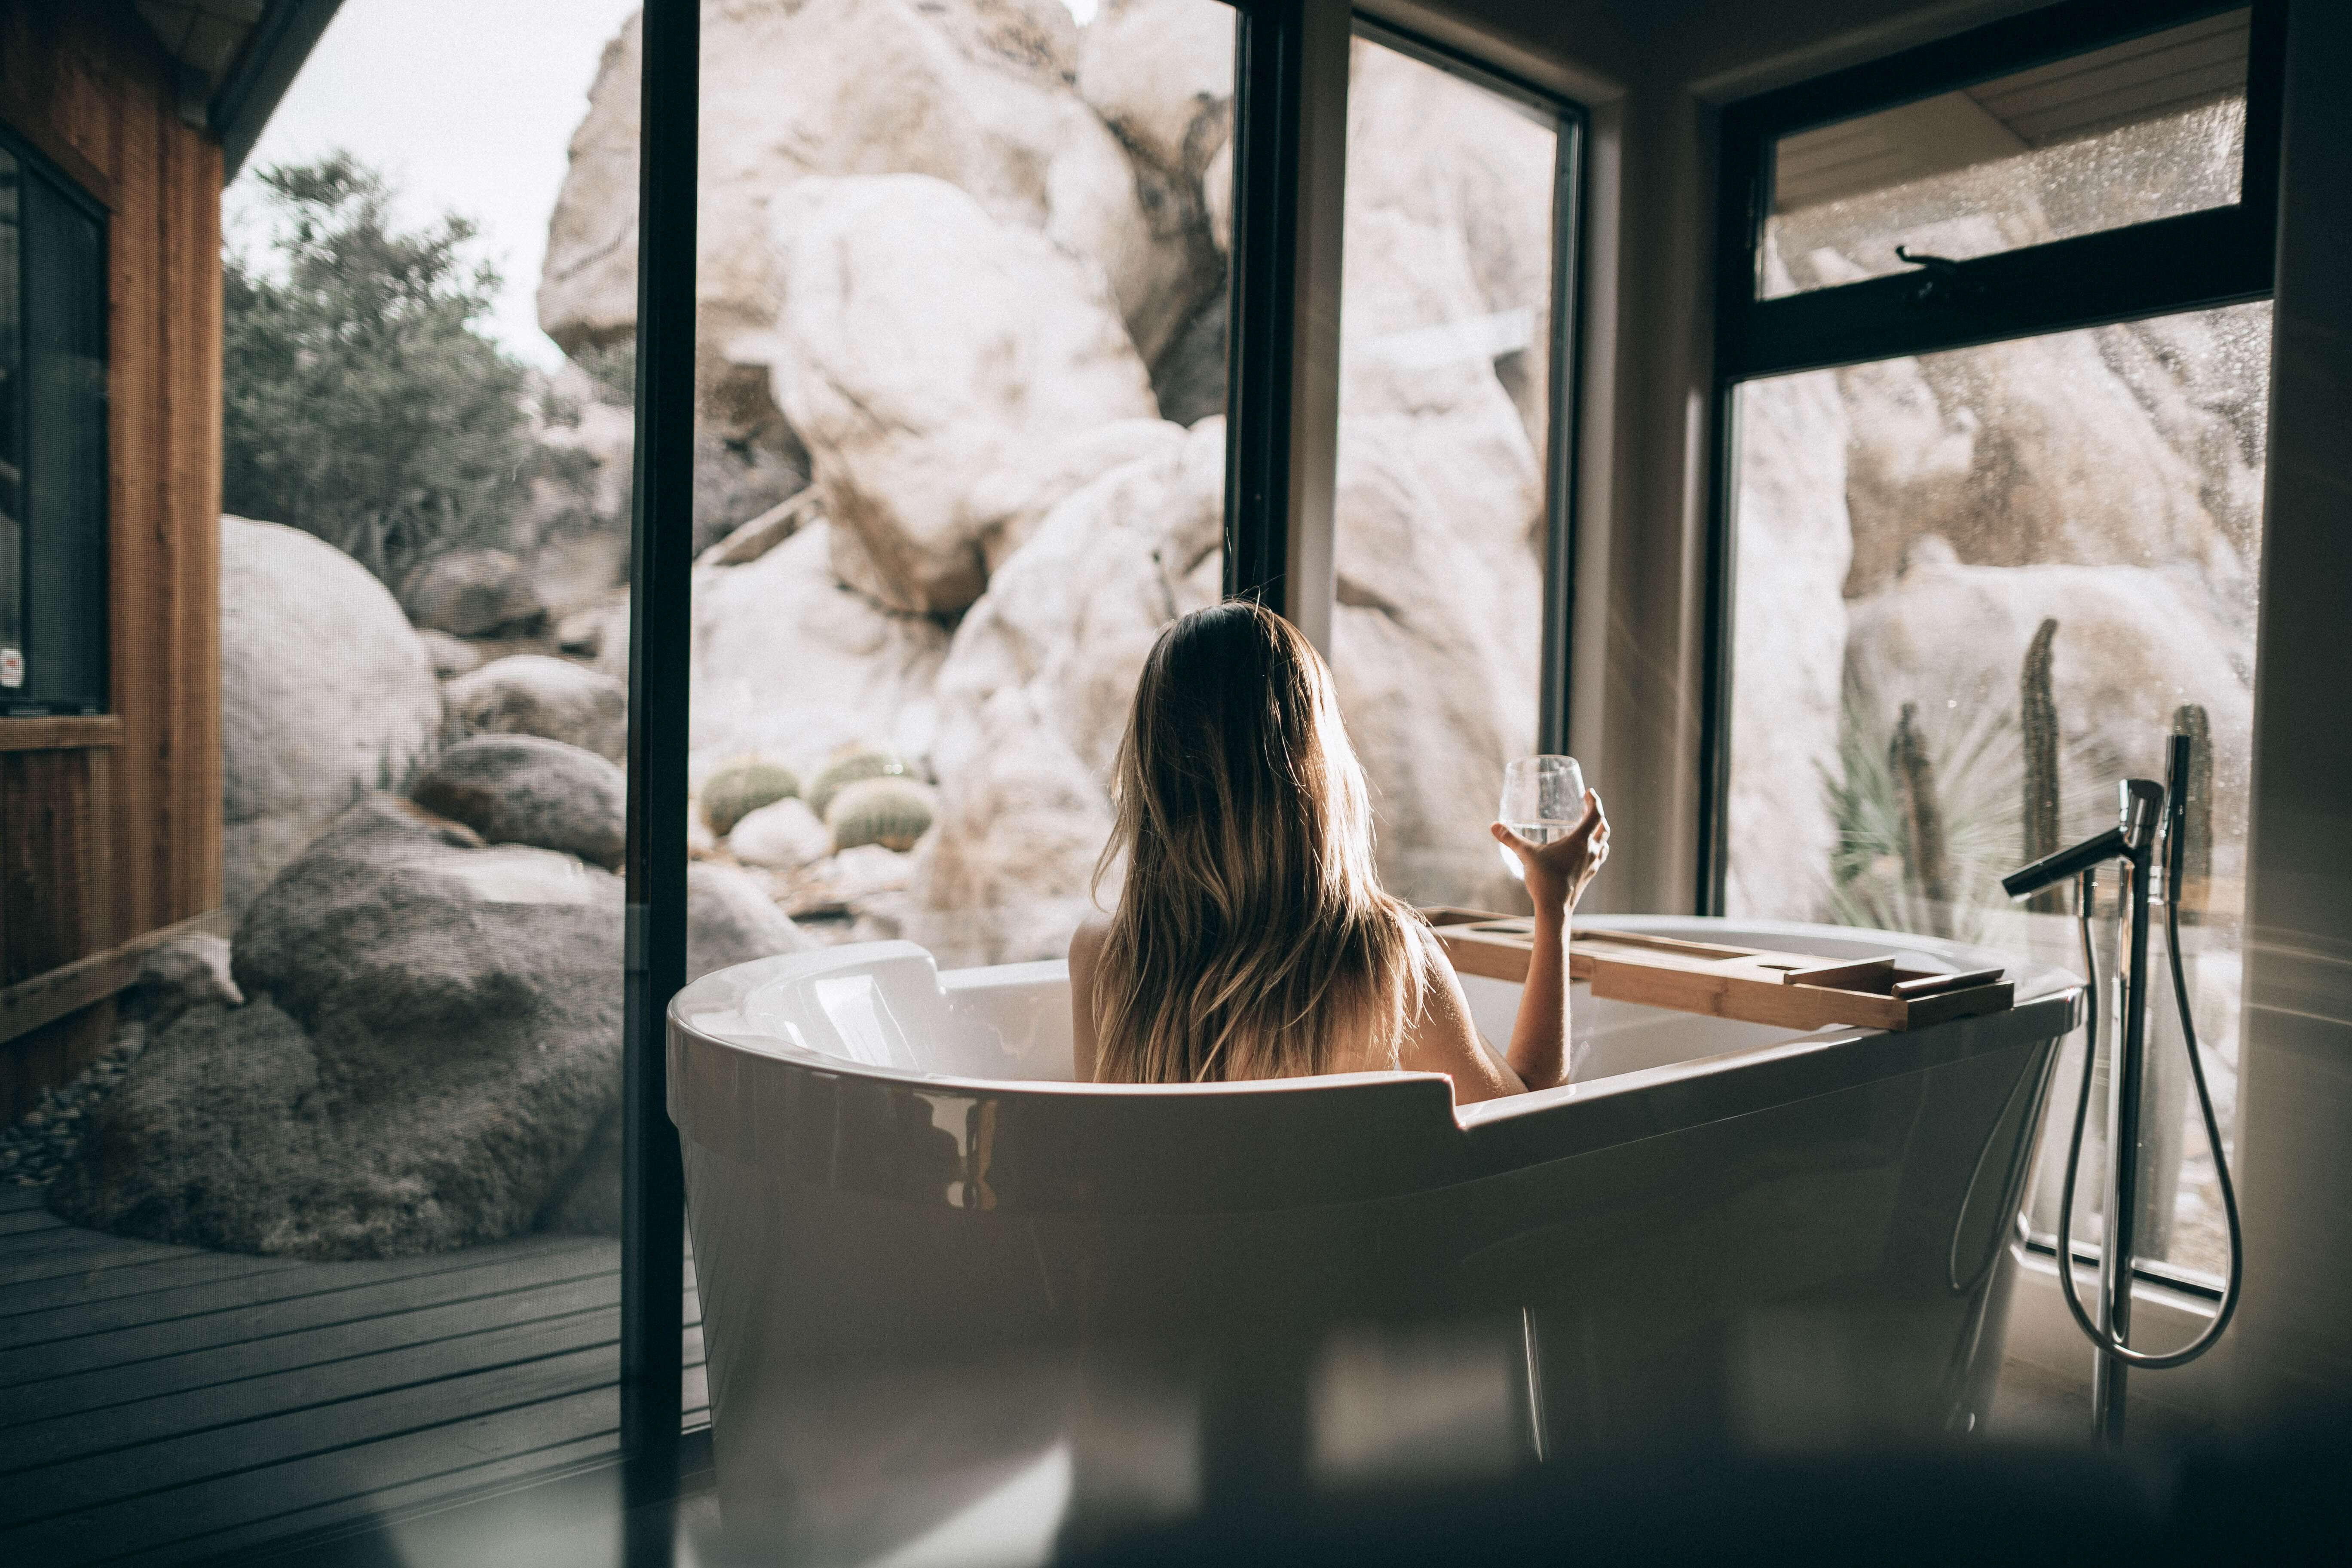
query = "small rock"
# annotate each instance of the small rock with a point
(729, 919)
(525, 789)
(186, 972)
(471, 594)
(532, 694)
(451, 656)
(581, 632)
(785, 835)
(868, 870)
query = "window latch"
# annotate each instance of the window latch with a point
(1940, 280)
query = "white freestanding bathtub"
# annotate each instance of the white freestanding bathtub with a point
(939, 1278)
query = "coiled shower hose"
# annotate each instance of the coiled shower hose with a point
(2107, 1343)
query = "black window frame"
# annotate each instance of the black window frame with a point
(43, 557)
(2199, 261)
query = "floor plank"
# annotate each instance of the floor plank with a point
(384, 1502)
(117, 1382)
(30, 1344)
(223, 1408)
(161, 1409)
(166, 1274)
(276, 1442)
(367, 1471)
(52, 1254)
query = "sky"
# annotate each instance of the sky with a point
(479, 128)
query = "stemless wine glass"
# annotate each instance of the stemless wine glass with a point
(1543, 798)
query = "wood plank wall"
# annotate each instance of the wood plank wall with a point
(110, 832)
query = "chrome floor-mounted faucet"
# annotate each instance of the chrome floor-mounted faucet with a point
(2133, 841)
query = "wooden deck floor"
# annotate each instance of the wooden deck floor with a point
(164, 1404)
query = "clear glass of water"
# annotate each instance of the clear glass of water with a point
(1543, 798)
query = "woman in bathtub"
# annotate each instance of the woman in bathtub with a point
(1252, 939)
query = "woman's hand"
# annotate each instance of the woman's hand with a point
(1556, 872)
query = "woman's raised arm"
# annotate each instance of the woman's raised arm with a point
(1556, 873)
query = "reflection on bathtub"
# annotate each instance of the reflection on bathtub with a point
(929, 1262)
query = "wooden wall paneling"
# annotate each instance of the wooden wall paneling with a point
(189, 759)
(99, 845)
(52, 859)
(137, 459)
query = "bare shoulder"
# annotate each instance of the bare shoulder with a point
(1445, 1038)
(1087, 941)
(1085, 948)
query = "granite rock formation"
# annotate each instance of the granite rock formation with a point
(326, 694)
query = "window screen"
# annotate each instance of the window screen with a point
(52, 446)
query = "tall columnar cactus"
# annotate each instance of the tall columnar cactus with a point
(1914, 773)
(2196, 824)
(846, 767)
(2038, 714)
(890, 811)
(739, 788)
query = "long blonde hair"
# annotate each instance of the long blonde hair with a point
(1252, 939)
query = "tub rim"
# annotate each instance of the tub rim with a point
(1488, 1138)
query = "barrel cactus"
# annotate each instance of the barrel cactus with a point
(741, 787)
(847, 767)
(890, 810)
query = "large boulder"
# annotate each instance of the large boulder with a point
(429, 1057)
(471, 594)
(326, 694)
(522, 789)
(533, 694)
(1034, 695)
(1794, 547)
(1160, 74)
(2134, 643)
(433, 1035)
(2021, 453)
(1448, 240)
(1006, 505)
(919, 344)
(788, 661)
(976, 93)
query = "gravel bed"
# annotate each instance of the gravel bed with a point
(35, 1150)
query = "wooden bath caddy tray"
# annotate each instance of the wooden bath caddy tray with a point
(1753, 985)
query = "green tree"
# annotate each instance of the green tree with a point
(360, 400)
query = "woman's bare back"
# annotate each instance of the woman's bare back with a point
(1442, 1039)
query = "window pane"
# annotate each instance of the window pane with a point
(961, 361)
(2149, 128)
(65, 452)
(1444, 419)
(1928, 548)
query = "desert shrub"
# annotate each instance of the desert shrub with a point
(1975, 754)
(360, 400)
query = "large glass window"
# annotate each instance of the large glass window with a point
(53, 511)
(1449, 314)
(1972, 587)
(959, 444)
